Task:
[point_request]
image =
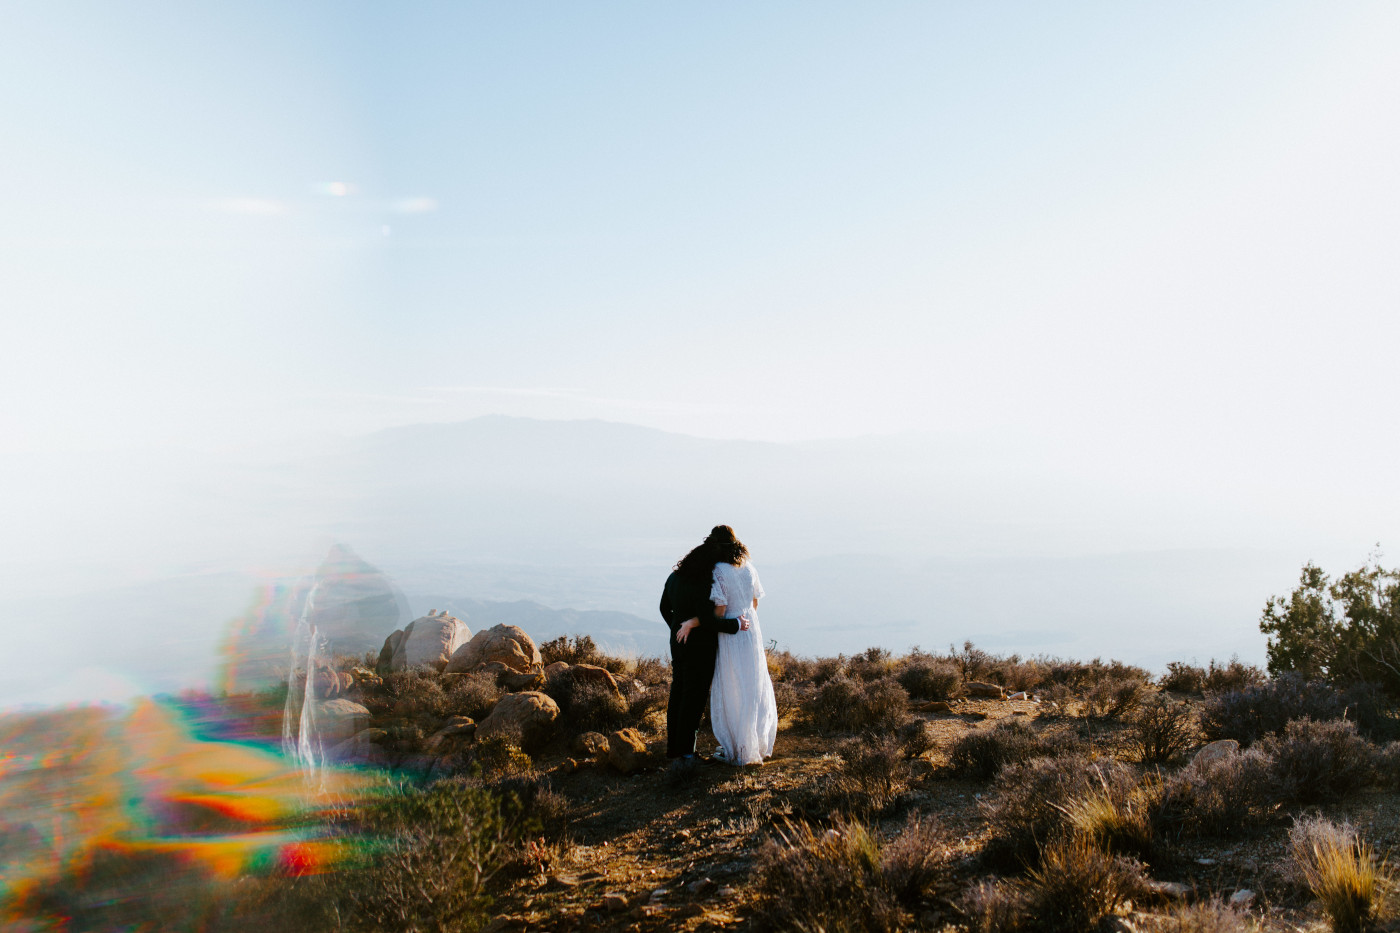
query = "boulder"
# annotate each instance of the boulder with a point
(338, 720)
(386, 654)
(626, 750)
(528, 715)
(530, 680)
(458, 730)
(362, 748)
(557, 668)
(507, 644)
(429, 640)
(590, 743)
(1216, 751)
(592, 674)
(976, 688)
(1168, 890)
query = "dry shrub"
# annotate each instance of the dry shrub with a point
(1183, 678)
(845, 879)
(499, 755)
(1388, 766)
(645, 702)
(875, 770)
(1028, 804)
(1084, 675)
(587, 705)
(472, 695)
(1117, 818)
(1114, 698)
(1217, 797)
(652, 672)
(982, 754)
(826, 669)
(1208, 917)
(1074, 888)
(1251, 713)
(417, 691)
(871, 664)
(532, 792)
(1008, 671)
(1162, 729)
(437, 851)
(1318, 761)
(917, 737)
(580, 649)
(1341, 871)
(789, 697)
(930, 678)
(845, 705)
(792, 669)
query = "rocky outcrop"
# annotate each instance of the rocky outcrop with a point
(430, 640)
(626, 751)
(506, 644)
(528, 717)
(592, 674)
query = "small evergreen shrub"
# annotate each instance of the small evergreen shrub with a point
(982, 754)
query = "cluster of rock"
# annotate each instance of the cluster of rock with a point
(525, 715)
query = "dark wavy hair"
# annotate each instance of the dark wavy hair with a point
(719, 546)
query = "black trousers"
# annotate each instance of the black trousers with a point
(692, 670)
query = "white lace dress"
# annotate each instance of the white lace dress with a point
(742, 709)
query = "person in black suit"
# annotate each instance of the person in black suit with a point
(685, 598)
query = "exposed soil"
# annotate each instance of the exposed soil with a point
(645, 854)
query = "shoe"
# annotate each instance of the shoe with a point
(682, 769)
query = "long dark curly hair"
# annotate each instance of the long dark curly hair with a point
(719, 547)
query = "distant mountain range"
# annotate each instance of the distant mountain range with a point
(571, 526)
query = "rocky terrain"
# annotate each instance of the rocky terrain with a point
(963, 791)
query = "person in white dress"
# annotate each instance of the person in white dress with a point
(743, 711)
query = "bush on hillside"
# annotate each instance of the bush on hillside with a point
(846, 705)
(1249, 714)
(1027, 805)
(982, 754)
(930, 678)
(1212, 798)
(1162, 729)
(846, 879)
(1074, 887)
(587, 705)
(1233, 675)
(1318, 761)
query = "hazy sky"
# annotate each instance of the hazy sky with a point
(1170, 229)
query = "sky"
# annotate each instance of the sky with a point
(1145, 246)
(230, 224)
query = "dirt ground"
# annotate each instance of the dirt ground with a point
(645, 855)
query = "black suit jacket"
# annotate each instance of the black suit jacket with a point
(683, 599)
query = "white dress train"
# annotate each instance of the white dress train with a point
(743, 712)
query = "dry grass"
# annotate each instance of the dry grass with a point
(846, 879)
(1341, 871)
(1115, 817)
(1208, 917)
(1074, 888)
